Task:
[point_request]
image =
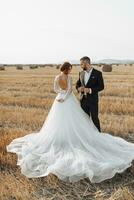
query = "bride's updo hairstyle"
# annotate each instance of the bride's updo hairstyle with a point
(65, 67)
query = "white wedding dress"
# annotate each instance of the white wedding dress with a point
(70, 146)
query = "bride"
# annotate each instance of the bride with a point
(69, 145)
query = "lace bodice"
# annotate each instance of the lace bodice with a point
(63, 93)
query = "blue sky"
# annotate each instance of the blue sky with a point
(41, 31)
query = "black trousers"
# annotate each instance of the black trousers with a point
(92, 110)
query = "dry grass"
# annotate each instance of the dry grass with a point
(25, 99)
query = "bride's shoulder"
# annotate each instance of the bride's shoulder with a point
(57, 76)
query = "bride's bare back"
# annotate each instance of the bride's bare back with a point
(62, 82)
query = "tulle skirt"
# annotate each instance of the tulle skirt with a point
(71, 147)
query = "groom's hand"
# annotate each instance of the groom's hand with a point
(87, 90)
(81, 89)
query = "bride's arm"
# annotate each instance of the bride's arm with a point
(69, 90)
(56, 88)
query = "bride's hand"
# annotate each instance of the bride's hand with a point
(60, 100)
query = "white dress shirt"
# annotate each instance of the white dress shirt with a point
(86, 78)
(87, 75)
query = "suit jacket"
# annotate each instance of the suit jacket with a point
(95, 82)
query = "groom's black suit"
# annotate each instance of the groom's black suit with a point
(90, 103)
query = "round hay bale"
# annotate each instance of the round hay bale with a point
(33, 66)
(2, 68)
(58, 66)
(42, 65)
(107, 68)
(50, 65)
(19, 67)
(36, 66)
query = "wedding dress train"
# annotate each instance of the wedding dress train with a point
(70, 146)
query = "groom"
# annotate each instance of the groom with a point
(90, 82)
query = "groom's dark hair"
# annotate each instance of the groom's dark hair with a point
(86, 58)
